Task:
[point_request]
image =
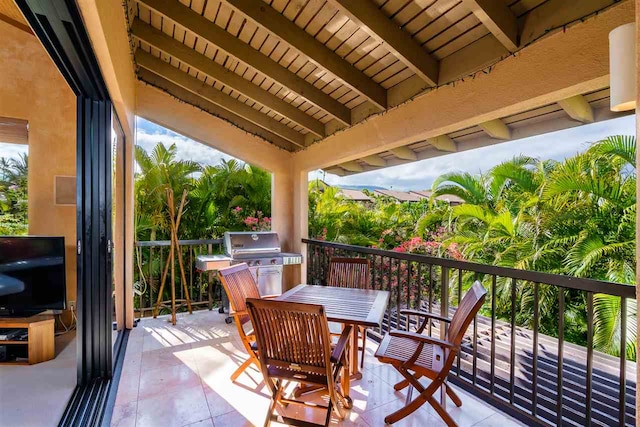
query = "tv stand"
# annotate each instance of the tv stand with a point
(39, 345)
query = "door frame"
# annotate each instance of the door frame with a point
(59, 27)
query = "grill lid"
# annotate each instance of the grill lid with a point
(238, 243)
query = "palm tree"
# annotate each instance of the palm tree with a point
(14, 174)
(159, 171)
(576, 217)
(227, 189)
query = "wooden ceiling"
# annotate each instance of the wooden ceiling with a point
(295, 71)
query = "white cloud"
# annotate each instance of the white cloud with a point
(148, 135)
(420, 175)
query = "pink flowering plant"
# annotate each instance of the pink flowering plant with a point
(256, 221)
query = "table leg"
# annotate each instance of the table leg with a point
(353, 354)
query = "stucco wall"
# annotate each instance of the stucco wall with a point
(31, 88)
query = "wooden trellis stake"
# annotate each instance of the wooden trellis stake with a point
(174, 247)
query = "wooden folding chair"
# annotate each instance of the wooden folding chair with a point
(351, 273)
(415, 355)
(294, 345)
(239, 284)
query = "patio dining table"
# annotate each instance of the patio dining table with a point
(358, 307)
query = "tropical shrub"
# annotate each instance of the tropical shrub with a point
(576, 217)
(13, 195)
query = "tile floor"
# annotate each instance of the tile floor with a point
(46, 386)
(179, 376)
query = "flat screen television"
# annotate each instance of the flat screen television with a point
(32, 275)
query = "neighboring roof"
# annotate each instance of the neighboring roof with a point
(402, 196)
(355, 195)
(449, 198)
(426, 194)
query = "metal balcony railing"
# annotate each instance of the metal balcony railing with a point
(511, 358)
(150, 259)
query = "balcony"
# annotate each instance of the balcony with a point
(507, 365)
(179, 375)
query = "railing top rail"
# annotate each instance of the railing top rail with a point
(182, 242)
(569, 282)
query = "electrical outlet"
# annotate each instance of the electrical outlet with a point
(72, 305)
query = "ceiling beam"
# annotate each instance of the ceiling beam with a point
(404, 153)
(211, 94)
(203, 104)
(374, 22)
(192, 58)
(201, 26)
(498, 18)
(507, 90)
(525, 129)
(443, 143)
(374, 160)
(160, 107)
(496, 129)
(277, 24)
(352, 166)
(578, 108)
(336, 170)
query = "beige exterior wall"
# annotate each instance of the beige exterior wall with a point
(32, 89)
(106, 24)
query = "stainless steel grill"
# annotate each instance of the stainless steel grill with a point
(261, 251)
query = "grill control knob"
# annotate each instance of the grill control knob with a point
(257, 262)
(273, 261)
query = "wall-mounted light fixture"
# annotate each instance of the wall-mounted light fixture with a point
(622, 66)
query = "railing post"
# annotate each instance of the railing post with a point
(210, 281)
(499, 338)
(444, 300)
(310, 263)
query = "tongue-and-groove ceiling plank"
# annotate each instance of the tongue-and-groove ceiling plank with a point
(318, 66)
(201, 103)
(243, 52)
(179, 51)
(287, 31)
(204, 90)
(374, 22)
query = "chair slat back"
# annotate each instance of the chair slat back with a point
(290, 333)
(239, 284)
(467, 310)
(349, 273)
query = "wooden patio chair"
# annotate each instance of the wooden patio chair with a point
(415, 355)
(351, 273)
(239, 284)
(294, 345)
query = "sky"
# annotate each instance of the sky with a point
(149, 134)
(412, 176)
(12, 150)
